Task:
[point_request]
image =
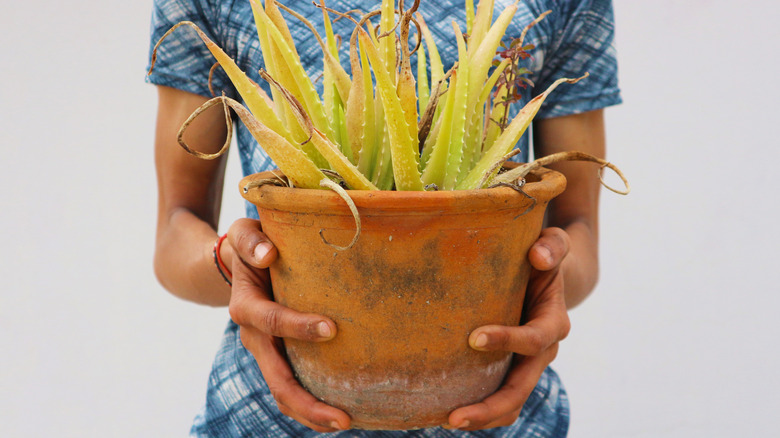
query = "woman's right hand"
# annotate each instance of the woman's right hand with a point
(264, 322)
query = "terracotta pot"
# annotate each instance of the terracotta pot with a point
(428, 268)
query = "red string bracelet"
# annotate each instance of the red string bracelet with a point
(223, 270)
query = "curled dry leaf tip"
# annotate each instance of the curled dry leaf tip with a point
(328, 184)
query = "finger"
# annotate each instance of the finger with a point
(251, 244)
(287, 411)
(292, 399)
(251, 307)
(507, 420)
(497, 409)
(549, 250)
(530, 339)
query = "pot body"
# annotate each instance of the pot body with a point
(427, 269)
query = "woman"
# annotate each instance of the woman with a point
(252, 391)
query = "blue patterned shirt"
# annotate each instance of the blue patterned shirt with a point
(577, 37)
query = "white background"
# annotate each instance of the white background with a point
(679, 339)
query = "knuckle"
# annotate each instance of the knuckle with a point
(278, 395)
(565, 327)
(558, 239)
(245, 243)
(535, 341)
(499, 340)
(553, 351)
(236, 311)
(245, 235)
(272, 322)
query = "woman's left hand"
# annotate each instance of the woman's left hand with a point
(534, 343)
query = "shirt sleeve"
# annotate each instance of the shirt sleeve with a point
(583, 42)
(183, 61)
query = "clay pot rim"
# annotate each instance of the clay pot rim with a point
(543, 185)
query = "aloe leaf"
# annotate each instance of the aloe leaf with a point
(406, 84)
(296, 165)
(244, 85)
(275, 64)
(355, 119)
(272, 11)
(408, 98)
(310, 99)
(265, 49)
(497, 110)
(384, 176)
(329, 51)
(423, 89)
(404, 154)
(427, 150)
(339, 162)
(482, 57)
(509, 138)
(481, 61)
(458, 115)
(388, 44)
(469, 16)
(475, 127)
(482, 20)
(436, 167)
(369, 138)
(437, 68)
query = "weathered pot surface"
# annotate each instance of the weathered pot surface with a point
(428, 268)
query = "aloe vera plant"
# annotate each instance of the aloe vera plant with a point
(379, 127)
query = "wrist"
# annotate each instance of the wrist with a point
(581, 266)
(219, 260)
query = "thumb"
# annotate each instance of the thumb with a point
(549, 250)
(251, 244)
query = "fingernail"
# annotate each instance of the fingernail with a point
(261, 250)
(335, 425)
(464, 424)
(481, 341)
(545, 253)
(324, 330)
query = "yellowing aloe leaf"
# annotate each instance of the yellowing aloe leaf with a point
(469, 16)
(310, 98)
(404, 154)
(339, 75)
(423, 89)
(272, 11)
(388, 44)
(384, 165)
(475, 127)
(509, 138)
(437, 68)
(494, 112)
(301, 171)
(244, 85)
(459, 114)
(355, 122)
(408, 97)
(275, 64)
(436, 166)
(481, 60)
(482, 20)
(369, 139)
(340, 163)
